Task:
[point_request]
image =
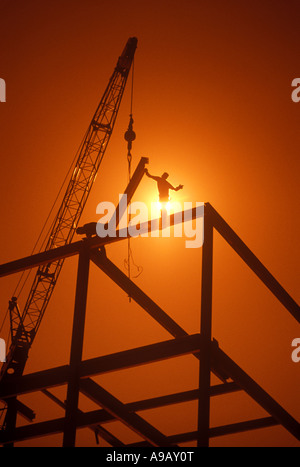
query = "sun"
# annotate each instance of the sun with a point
(164, 206)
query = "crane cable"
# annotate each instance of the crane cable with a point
(130, 137)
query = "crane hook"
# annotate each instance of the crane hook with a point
(130, 137)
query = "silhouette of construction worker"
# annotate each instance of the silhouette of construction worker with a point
(163, 186)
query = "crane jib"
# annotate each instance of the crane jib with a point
(90, 155)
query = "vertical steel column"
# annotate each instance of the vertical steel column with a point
(206, 329)
(76, 347)
(11, 418)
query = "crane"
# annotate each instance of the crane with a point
(24, 326)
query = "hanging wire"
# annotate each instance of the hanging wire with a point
(132, 87)
(130, 260)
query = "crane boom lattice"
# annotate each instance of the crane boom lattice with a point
(24, 327)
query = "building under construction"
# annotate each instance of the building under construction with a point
(77, 376)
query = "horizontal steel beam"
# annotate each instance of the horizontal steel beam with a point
(224, 430)
(96, 242)
(162, 401)
(219, 224)
(88, 419)
(99, 365)
(35, 430)
(265, 422)
(34, 382)
(184, 396)
(40, 259)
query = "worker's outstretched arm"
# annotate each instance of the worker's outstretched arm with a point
(179, 187)
(151, 176)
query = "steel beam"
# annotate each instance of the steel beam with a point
(39, 259)
(76, 348)
(249, 425)
(100, 365)
(95, 417)
(148, 354)
(253, 262)
(25, 411)
(184, 396)
(258, 394)
(29, 383)
(131, 187)
(121, 413)
(10, 420)
(114, 273)
(211, 357)
(141, 355)
(96, 242)
(97, 429)
(206, 334)
(90, 229)
(34, 430)
(218, 431)
(219, 224)
(34, 382)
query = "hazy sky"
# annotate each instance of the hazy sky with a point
(212, 107)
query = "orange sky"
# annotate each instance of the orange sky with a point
(213, 108)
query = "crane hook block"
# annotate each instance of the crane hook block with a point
(130, 134)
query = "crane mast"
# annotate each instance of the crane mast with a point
(24, 326)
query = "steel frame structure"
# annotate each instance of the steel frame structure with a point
(78, 374)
